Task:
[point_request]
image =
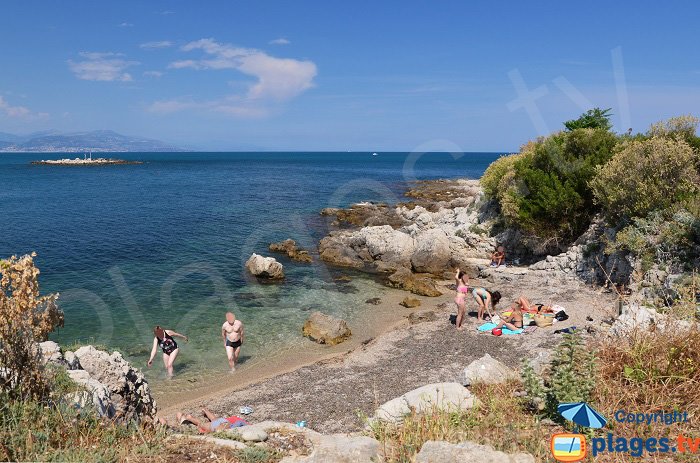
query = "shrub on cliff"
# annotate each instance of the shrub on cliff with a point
(544, 189)
(25, 319)
(646, 176)
(592, 119)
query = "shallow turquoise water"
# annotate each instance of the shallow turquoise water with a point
(164, 242)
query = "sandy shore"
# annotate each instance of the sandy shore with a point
(353, 378)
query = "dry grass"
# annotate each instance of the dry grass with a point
(500, 421)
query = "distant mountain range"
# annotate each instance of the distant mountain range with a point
(95, 141)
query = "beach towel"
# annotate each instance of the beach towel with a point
(490, 326)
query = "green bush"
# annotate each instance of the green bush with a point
(554, 199)
(647, 175)
(571, 378)
(490, 181)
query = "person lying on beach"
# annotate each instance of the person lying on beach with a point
(514, 321)
(524, 305)
(484, 300)
(164, 339)
(498, 257)
(460, 299)
(214, 424)
(233, 335)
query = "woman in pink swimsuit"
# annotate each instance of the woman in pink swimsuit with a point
(462, 290)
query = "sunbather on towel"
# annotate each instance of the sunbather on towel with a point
(514, 321)
(215, 423)
(524, 305)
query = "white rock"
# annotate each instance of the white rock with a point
(72, 362)
(265, 267)
(432, 252)
(444, 396)
(250, 433)
(51, 352)
(340, 448)
(444, 452)
(487, 370)
(95, 394)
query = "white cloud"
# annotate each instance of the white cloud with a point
(125, 24)
(154, 74)
(105, 67)
(156, 45)
(280, 41)
(277, 79)
(18, 111)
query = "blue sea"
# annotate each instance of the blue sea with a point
(165, 242)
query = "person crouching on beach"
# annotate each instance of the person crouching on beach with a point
(164, 339)
(460, 299)
(498, 257)
(233, 335)
(484, 300)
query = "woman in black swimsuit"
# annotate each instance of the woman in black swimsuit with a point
(164, 339)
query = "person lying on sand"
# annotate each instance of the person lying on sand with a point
(484, 300)
(214, 424)
(498, 257)
(524, 305)
(164, 339)
(514, 321)
(232, 333)
(460, 299)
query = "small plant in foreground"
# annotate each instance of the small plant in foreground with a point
(571, 378)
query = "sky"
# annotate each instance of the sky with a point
(352, 75)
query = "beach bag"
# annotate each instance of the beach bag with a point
(543, 320)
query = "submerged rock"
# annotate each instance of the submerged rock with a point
(290, 248)
(265, 267)
(444, 452)
(443, 396)
(325, 329)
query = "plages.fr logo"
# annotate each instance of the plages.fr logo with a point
(571, 447)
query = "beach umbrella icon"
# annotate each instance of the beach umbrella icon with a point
(582, 414)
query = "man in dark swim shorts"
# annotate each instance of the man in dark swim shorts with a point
(232, 332)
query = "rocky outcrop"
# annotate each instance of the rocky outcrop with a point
(290, 249)
(443, 396)
(367, 248)
(325, 329)
(421, 285)
(444, 452)
(638, 318)
(109, 383)
(129, 391)
(487, 370)
(266, 268)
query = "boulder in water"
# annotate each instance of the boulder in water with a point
(325, 329)
(265, 267)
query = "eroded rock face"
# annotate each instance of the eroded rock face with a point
(444, 452)
(421, 285)
(129, 391)
(432, 252)
(444, 396)
(265, 267)
(367, 248)
(111, 385)
(290, 248)
(325, 329)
